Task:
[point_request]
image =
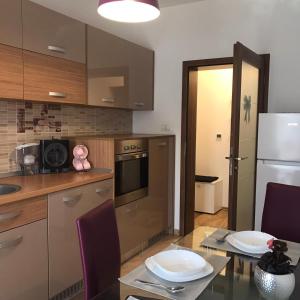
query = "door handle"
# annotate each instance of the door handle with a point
(57, 49)
(108, 100)
(9, 215)
(236, 158)
(11, 243)
(140, 104)
(57, 95)
(102, 191)
(69, 200)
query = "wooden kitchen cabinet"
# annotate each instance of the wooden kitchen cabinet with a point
(132, 227)
(141, 78)
(24, 262)
(11, 22)
(53, 79)
(120, 73)
(48, 32)
(161, 184)
(11, 72)
(108, 69)
(19, 213)
(65, 268)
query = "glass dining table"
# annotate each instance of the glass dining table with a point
(235, 281)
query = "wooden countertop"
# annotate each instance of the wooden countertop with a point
(122, 136)
(43, 184)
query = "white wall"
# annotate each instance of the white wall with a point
(214, 117)
(207, 29)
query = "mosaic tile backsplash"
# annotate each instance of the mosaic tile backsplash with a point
(26, 122)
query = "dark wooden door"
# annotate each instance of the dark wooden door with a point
(250, 76)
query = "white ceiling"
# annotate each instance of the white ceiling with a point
(86, 12)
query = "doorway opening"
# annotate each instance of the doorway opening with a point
(213, 126)
(249, 97)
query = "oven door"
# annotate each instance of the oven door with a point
(131, 177)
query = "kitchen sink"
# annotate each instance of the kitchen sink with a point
(8, 189)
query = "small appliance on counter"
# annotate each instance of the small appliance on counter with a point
(54, 156)
(27, 156)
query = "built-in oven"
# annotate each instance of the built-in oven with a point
(131, 170)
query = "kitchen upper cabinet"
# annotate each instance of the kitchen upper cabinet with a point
(11, 72)
(11, 22)
(65, 268)
(120, 73)
(24, 262)
(141, 78)
(53, 79)
(108, 69)
(48, 32)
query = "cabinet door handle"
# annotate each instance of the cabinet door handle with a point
(57, 49)
(57, 95)
(11, 243)
(102, 191)
(108, 100)
(9, 215)
(164, 144)
(139, 104)
(69, 200)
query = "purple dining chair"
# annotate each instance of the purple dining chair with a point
(99, 248)
(281, 215)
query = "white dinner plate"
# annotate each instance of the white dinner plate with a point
(254, 242)
(178, 265)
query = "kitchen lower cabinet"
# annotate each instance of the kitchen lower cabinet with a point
(53, 79)
(64, 208)
(11, 72)
(161, 184)
(132, 226)
(24, 262)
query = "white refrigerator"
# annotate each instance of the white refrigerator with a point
(278, 155)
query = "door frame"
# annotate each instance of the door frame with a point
(188, 131)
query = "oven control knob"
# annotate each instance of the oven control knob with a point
(126, 148)
(133, 147)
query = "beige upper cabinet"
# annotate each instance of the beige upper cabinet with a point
(141, 78)
(11, 23)
(108, 69)
(48, 32)
(120, 73)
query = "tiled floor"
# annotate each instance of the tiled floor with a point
(220, 219)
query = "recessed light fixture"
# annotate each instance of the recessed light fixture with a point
(129, 11)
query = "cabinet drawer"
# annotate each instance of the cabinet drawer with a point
(23, 212)
(64, 208)
(48, 32)
(24, 262)
(11, 72)
(11, 23)
(53, 79)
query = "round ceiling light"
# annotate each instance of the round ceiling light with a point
(129, 11)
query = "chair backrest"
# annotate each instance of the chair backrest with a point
(100, 248)
(281, 215)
